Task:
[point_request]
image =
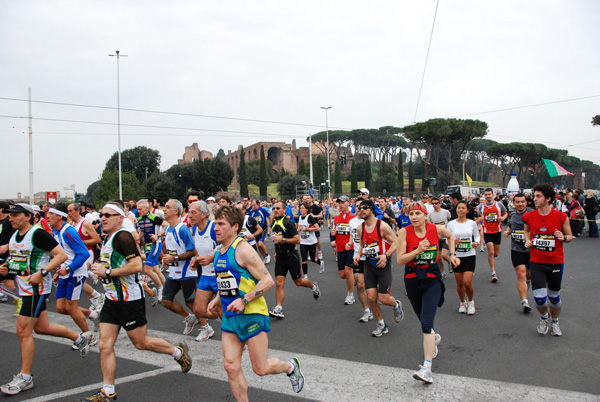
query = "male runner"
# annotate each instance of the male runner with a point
(7, 282)
(377, 244)
(519, 254)
(341, 231)
(30, 250)
(359, 269)
(285, 236)
(150, 225)
(124, 305)
(71, 275)
(546, 230)
(177, 253)
(492, 214)
(243, 280)
(316, 213)
(250, 230)
(205, 240)
(262, 217)
(440, 217)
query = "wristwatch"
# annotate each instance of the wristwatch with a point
(386, 256)
(244, 300)
(176, 258)
(107, 272)
(44, 272)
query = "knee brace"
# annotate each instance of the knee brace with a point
(554, 297)
(540, 296)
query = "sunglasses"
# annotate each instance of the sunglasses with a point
(363, 207)
(435, 203)
(108, 215)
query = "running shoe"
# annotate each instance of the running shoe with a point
(398, 313)
(320, 255)
(471, 307)
(92, 277)
(525, 305)
(189, 321)
(494, 278)
(96, 322)
(349, 299)
(424, 374)
(555, 329)
(160, 294)
(3, 298)
(267, 259)
(322, 267)
(17, 385)
(443, 275)
(277, 312)
(154, 298)
(205, 333)
(84, 344)
(97, 302)
(316, 291)
(19, 303)
(185, 360)
(438, 339)
(450, 270)
(101, 396)
(366, 317)
(93, 341)
(296, 377)
(543, 326)
(380, 330)
(463, 308)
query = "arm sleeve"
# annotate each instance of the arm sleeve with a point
(74, 241)
(186, 236)
(125, 245)
(44, 240)
(157, 220)
(312, 220)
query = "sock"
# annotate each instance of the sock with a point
(26, 377)
(291, 370)
(93, 315)
(350, 293)
(427, 364)
(524, 301)
(545, 316)
(381, 323)
(493, 273)
(108, 389)
(177, 353)
(555, 320)
(160, 288)
(94, 295)
(78, 341)
(279, 307)
(367, 310)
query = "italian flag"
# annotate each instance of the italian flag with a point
(554, 169)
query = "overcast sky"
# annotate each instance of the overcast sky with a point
(280, 61)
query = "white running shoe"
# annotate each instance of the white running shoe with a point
(366, 317)
(525, 305)
(97, 302)
(316, 290)
(84, 343)
(322, 267)
(349, 299)
(277, 312)
(320, 255)
(96, 322)
(380, 330)
(296, 377)
(424, 374)
(555, 329)
(398, 313)
(463, 308)
(189, 321)
(438, 339)
(17, 385)
(205, 333)
(154, 298)
(267, 259)
(93, 341)
(543, 326)
(160, 294)
(471, 307)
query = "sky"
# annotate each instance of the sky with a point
(238, 72)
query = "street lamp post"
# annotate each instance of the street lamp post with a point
(326, 108)
(118, 55)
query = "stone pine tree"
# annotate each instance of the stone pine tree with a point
(263, 178)
(400, 174)
(242, 175)
(411, 177)
(338, 177)
(353, 179)
(368, 173)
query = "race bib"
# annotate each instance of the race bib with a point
(304, 235)
(17, 265)
(243, 232)
(228, 286)
(371, 250)
(544, 242)
(463, 246)
(355, 236)
(518, 236)
(343, 228)
(491, 217)
(428, 256)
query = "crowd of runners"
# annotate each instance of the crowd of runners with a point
(127, 256)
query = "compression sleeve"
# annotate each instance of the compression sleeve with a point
(125, 245)
(44, 240)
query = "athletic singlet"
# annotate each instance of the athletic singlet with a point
(247, 229)
(430, 255)
(79, 228)
(468, 233)
(373, 243)
(77, 253)
(120, 288)
(178, 240)
(206, 242)
(546, 248)
(307, 237)
(354, 224)
(235, 281)
(342, 228)
(491, 217)
(27, 259)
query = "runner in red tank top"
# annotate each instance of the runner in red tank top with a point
(492, 213)
(418, 249)
(377, 244)
(341, 231)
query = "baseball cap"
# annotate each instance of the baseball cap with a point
(4, 205)
(364, 190)
(343, 198)
(211, 199)
(25, 208)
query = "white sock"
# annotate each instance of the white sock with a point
(427, 364)
(94, 295)
(93, 315)
(177, 353)
(26, 377)
(78, 340)
(108, 389)
(381, 323)
(367, 310)
(291, 370)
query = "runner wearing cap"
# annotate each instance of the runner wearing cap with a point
(345, 257)
(7, 283)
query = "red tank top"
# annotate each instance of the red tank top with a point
(84, 237)
(373, 243)
(491, 218)
(429, 256)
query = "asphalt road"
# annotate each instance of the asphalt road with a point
(496, 353)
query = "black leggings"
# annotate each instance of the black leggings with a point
(305, 251)
(424, 296)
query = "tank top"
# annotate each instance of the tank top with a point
(306, 237)
(79, 228)
(206, 242)
(430, 255)
(119, 288)
(373, 243)
(491, 218)
(26, 260)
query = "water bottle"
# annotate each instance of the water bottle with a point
(513, 185)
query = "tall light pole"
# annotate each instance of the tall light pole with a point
(118, 56)
(326, 108)
(310, 160)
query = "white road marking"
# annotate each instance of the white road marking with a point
(327, 379)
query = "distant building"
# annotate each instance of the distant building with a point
(193, 153)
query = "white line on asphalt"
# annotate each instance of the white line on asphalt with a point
(327, 379)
